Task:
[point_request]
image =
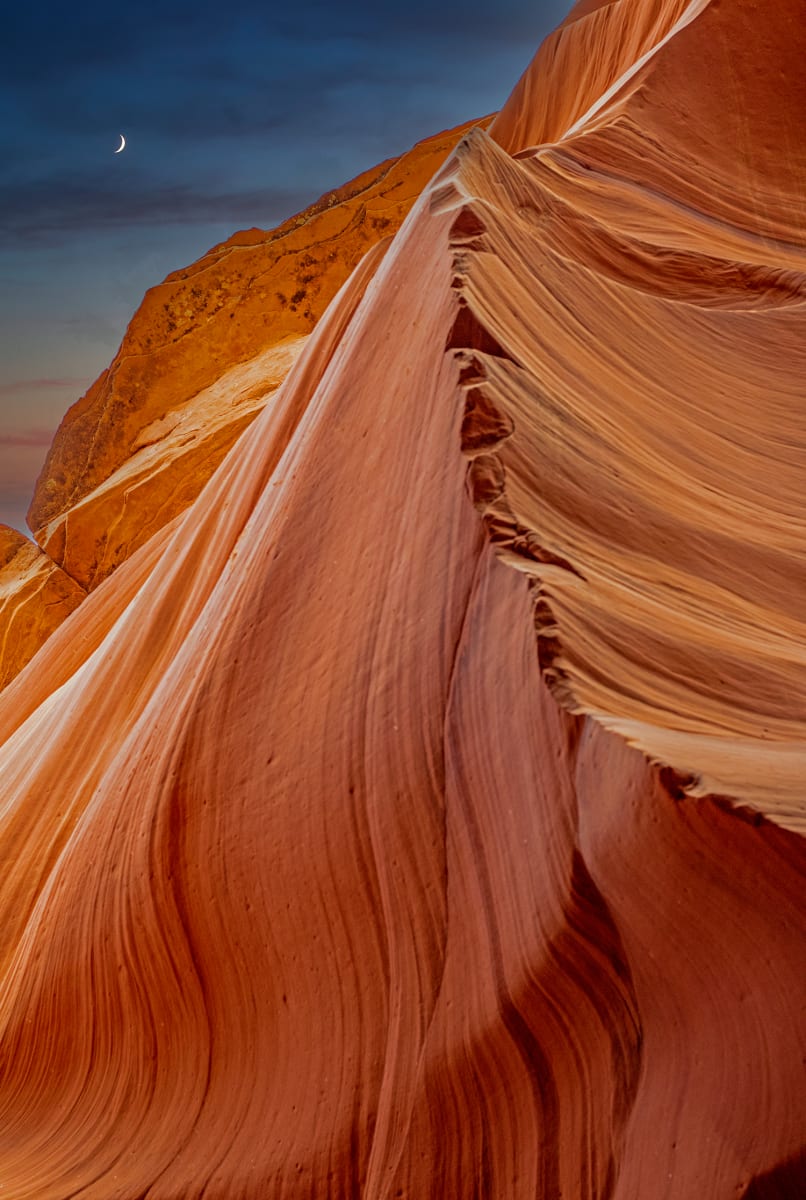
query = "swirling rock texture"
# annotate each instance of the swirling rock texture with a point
(419, 814)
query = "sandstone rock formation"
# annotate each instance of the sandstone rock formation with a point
(199, 360)
(138, 448)
(35, 597)
(419, 814)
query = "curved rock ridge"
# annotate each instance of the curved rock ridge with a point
(202, 356)
(312, 888)
(598, 43)
(650, 362)
(199, 359)
(168, 463)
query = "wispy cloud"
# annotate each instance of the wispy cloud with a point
(17, 386)
(238, 115)
(26, 437)
(58, 204)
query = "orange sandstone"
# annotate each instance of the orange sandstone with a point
(202, 355)
(332, 871)
(35, 597)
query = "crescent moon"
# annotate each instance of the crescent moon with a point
(122, 144)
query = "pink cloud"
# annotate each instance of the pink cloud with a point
(32, 385)
(27, 437)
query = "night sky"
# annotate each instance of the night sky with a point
(236, 114)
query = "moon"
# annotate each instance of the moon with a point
(122, 145)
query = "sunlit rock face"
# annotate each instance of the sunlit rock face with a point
(35, 597)
(418, 815)
(203, 354)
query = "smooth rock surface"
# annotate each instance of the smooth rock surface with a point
(35, 597)
(135, 452)
(200, 358)
(330, 870)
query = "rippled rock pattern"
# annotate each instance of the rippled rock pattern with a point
(420, 814)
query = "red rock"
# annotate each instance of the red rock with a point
(35, 597)
(138, 448)
(204, 352)
(317, 887)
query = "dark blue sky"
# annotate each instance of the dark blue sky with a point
(236, 114)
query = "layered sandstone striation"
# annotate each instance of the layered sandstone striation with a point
(35, 597)
(418, 814)
(651, 366)
(202, 355)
